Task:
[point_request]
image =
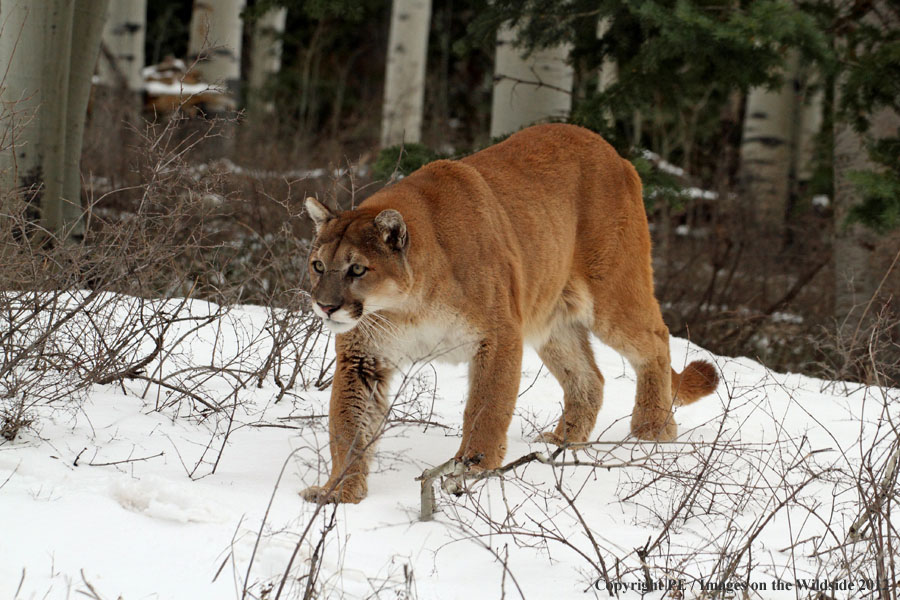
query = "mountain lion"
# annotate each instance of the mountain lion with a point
(540, 239)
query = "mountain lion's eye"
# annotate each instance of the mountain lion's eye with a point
(318, 266)
(357, 270)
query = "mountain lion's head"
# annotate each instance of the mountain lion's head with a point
(357, 264)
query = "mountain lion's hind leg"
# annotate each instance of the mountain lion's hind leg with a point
(568, 355)
(652, 417)
(627, 319)
(642, 338)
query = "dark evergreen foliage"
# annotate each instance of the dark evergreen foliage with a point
(869, 70)
(402, 160)
(678, 61)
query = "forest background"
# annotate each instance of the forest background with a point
(766, 133)
(161, 372)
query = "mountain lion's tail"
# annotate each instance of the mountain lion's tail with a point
(697, 380)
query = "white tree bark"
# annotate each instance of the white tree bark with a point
(123, 39)
(609, 69)
(265, 58)
(87, 29)
(404, 81)
(21, 55)
(215, 37)
(809, 125)
(46, 105)
(767, 150)
(529, 89)
(54, 103)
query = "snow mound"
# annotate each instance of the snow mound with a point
(161, 499)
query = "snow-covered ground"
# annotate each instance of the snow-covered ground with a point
(107, 497)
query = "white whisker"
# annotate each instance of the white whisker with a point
(386, 323)
(382, 325)
(376, 326)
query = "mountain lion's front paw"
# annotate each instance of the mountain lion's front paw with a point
(549, 437)
(343, 493)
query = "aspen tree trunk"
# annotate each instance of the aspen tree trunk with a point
(119, 97)
(215, 37)
(855, 245)
(609, 70)
(856, 248)
(123, 41)
(529, 89)
(54, 102)
(41, 43)
(87, 29)
(265, 58)
(766, 153)
(809, 125)
(21, 56)
(404, 81)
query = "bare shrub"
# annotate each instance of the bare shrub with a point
(99, 311)
(706, 505)
(866, 348)
(316, 528)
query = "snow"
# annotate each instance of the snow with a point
(179, 88)
(172, 65)
(821, 201)
(226, 165)
(169, 79)
(667, 167)
(663, 165)
(695, 192)
(110, 496)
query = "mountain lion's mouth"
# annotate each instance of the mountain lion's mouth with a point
(338, 326)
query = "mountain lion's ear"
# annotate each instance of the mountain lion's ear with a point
(319, 212)
(392, 228)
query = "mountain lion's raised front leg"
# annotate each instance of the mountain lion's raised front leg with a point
(494, 375)
(355, 420)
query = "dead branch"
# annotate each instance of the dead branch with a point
(127, 460)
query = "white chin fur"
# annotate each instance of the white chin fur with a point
(334, 325)
(338, 326)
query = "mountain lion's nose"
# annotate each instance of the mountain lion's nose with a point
(328, 309)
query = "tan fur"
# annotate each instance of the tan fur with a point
(542, 239)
